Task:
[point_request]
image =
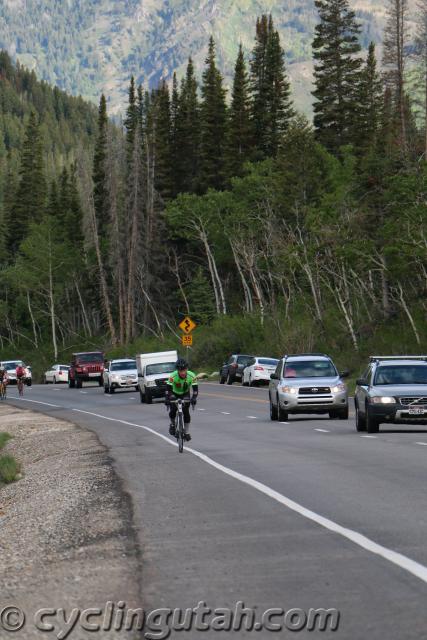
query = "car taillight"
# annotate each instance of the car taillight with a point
(79, 369)
(259, 368)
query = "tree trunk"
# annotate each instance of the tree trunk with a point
(52, 313)
(33, 322)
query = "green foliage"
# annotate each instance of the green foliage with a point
(337, 66)
(9, 469)
(213, 120)
(271, 102)
(4, 439)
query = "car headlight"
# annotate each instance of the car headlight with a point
(292, 390)
(339, 388)
(150, 383)
(383, 400)
(115, 376)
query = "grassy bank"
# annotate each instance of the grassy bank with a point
(9, 467)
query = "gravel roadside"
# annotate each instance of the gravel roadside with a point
(66, 534)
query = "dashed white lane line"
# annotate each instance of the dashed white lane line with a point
(423, 444)
(252, 417)
(226, 413)
(403, 562)
(283, 422)
(84, 392)
(201, 409)
(372, 437)
(322, 430)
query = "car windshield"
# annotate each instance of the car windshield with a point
(123, 366)
(244, 359)
(310, 369)
(12, 367)
(401, 374)
(269, 362)
(90, 357)
(64, 368)
(160, 367)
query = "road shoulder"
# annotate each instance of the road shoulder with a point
(67, 534)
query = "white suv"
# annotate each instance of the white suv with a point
(120, 374)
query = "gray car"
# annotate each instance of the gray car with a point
(307, 383)
(393, 390)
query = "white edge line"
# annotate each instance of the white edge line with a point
(403, 562)
(57, 406)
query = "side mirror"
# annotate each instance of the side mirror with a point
(274, 376)
(362, 382)
(345, 373)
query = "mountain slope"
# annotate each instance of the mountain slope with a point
(89, 46)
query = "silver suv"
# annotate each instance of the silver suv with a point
(120, 374)
(307, 383)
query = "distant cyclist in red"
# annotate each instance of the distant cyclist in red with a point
(20, 373)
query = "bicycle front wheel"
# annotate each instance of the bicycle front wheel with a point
(180, 433)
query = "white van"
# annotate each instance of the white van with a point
(153, 371)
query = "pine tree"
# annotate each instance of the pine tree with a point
(100, 191)
(394, 61)
(370, 102)
(240, 131)
(272, 108)
(174, 136)
(133, 119)
(32, 191)
(201, 298)
(213, 125)
(336, 74)
(162, 119)
(188, 133)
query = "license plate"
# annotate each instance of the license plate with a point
(417, 411)
(94, 375)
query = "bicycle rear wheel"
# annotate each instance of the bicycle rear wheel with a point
(21, 388)
(180, 433)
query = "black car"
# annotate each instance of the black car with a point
(393, 390)
(232, 370)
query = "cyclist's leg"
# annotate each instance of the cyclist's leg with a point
(172, 415)
(187, 417)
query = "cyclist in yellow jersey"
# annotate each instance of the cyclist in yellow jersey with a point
(181, 384)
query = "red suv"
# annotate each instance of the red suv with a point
(85, 367)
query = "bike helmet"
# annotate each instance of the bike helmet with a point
(181, 364)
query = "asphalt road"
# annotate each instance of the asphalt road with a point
(301, 515)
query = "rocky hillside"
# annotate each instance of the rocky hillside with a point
(89, 46)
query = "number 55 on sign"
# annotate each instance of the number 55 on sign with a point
(187, 341)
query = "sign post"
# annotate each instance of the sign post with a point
(187, 326)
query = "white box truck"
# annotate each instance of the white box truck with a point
(153, 371)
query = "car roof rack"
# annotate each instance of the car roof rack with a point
(379, 358)
(297, 355)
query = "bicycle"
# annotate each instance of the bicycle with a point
(20, 384)
(179, 422)
(3, 390)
